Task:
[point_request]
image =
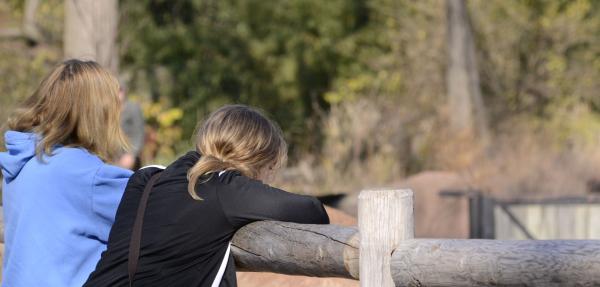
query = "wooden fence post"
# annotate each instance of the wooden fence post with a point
(385, 217)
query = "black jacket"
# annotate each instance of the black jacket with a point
(184, 241)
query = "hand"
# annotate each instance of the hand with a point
(126, 161)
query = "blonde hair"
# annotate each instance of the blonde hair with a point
(76, 105)
(237, 137)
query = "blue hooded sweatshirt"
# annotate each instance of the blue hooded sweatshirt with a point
(57, 212)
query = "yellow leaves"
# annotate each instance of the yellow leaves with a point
(151, 110)
(170, 116)
(333, 97)
(157, 112)
(358, 83)
(349, 89)
(163, 128)
(384, 82)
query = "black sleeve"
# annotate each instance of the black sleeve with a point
(245, 200)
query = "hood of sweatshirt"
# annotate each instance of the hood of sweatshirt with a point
(20, 148)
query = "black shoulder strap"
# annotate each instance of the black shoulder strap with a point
(136, 235)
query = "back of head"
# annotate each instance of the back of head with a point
(237, 137)
(76, 105)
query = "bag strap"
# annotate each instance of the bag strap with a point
(136, 235)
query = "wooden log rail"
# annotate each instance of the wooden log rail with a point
(394, 258)
(332, 251)
(297, 249)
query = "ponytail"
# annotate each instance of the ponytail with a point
(206, 165)
(237, 137)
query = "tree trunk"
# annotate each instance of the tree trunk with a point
(466, 109)
(30, 28)
(91, 31)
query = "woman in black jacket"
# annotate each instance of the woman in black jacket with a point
(198, 203)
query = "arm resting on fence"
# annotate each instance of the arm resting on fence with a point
(332, 251)
(297, 249)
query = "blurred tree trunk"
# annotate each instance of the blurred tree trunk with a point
(30, 28)
(466, 108)
(91, 31)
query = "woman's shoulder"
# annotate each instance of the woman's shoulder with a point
(236, 184)
(108, 172)
(72, 160)
(66, 154)
(234, 179)
(139, 178)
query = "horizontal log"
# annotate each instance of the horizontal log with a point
(297, 249)
(332, 251)
(469, 262)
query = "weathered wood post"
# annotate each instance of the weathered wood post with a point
(385, 217)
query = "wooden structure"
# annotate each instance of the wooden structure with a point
(333, 251)
(574, 217)
(391, 256)
(553, 218)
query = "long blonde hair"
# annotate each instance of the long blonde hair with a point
(77, 105)
(237, 137)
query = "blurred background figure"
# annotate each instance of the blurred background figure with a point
(132, 123)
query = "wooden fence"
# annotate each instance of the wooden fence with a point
(389, 255)
(386, 254)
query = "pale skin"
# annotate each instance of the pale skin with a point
(127, 161)
(267, 175)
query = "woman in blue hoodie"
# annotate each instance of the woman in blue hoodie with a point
(59, 194)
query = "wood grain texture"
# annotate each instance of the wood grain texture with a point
(297, 249)
(438, 262)
(332, 251)
(385, 217)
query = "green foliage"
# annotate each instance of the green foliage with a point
(320, 67)
(539, 58)
(281, 56)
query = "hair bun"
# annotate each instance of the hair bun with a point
(222, 161)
